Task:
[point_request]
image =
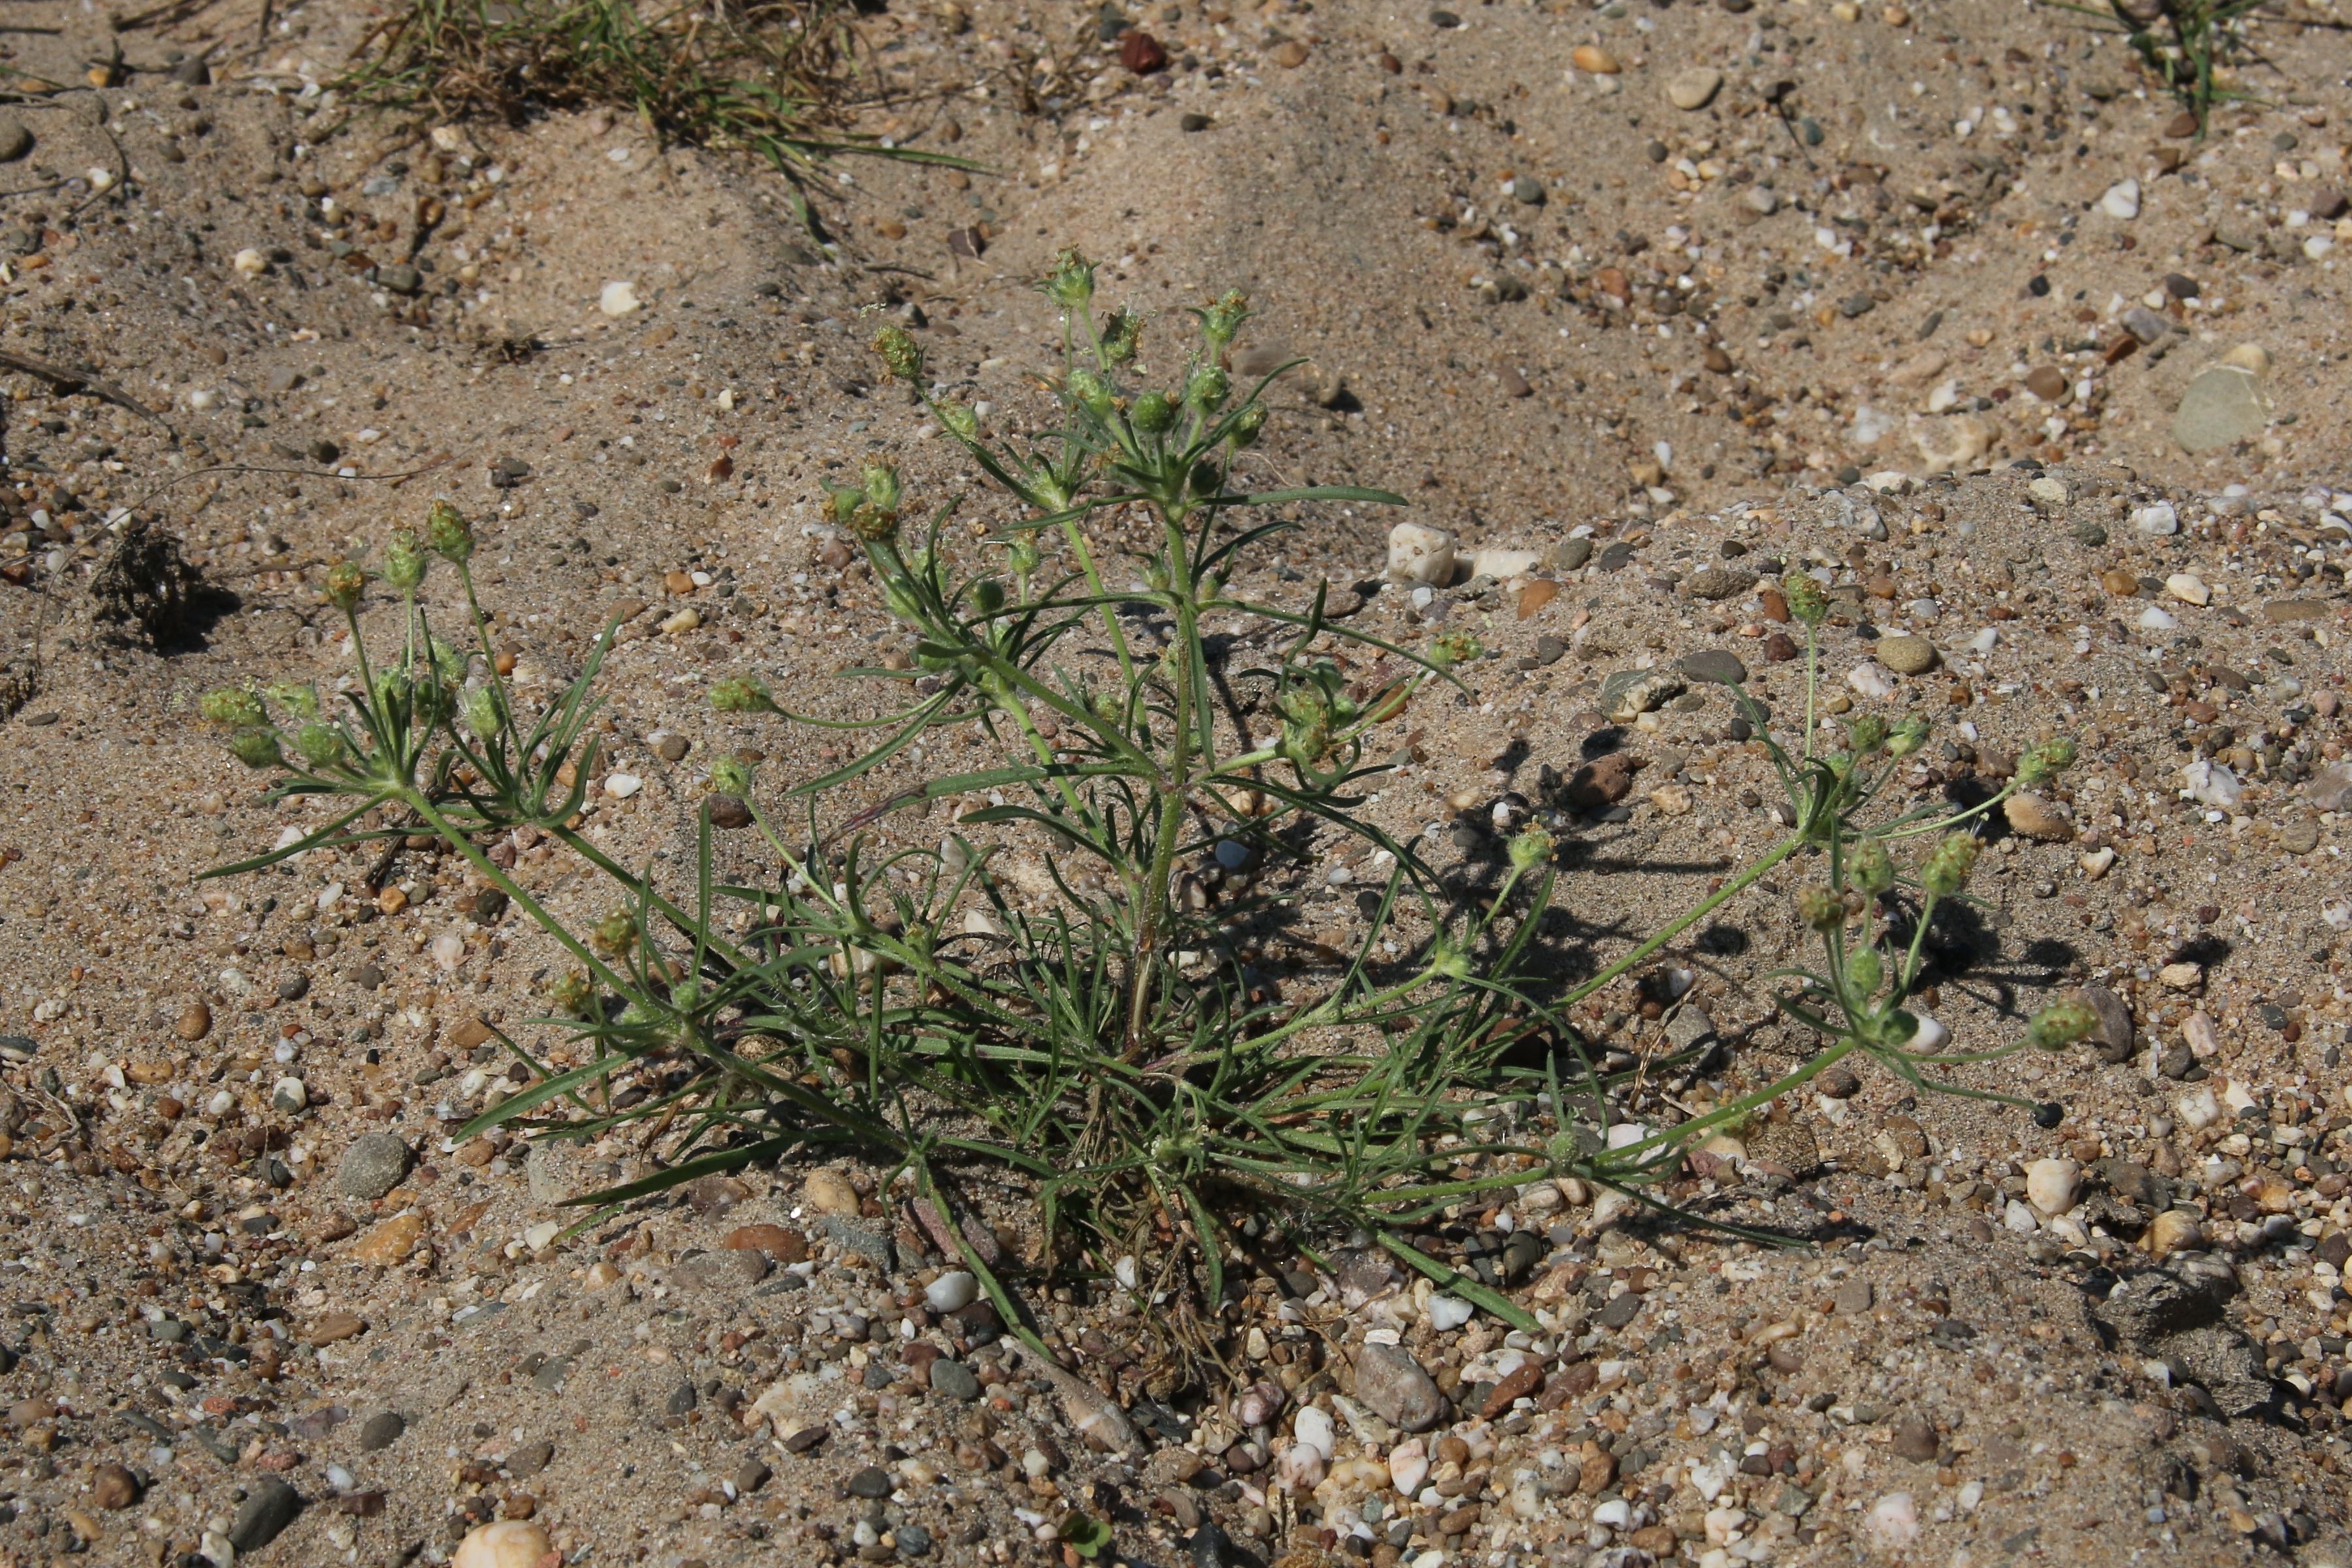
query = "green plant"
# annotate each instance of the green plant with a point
(763, 76)
(2183, 43)
(1063, 985)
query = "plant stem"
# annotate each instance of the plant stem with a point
(1674, 929)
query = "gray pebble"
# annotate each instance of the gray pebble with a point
(382, 1430)
(373, 1166)
(15, 142)
(1393, 1386)
(954, 1379)
(267, 1511)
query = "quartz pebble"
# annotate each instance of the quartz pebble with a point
(1694, 89)
(2051, 1184)
(2188, 587)
(503, 1543)
(2121, 200)
(1418, 553)
(950, 1292)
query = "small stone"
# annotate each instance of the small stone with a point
(2051, 1184)
(1289, 55)
(334, 1328)
(829, 1192)
(617, 298)
(386, 1242)
(399, 278)
(1419, 553)
(1569, 554)
(2213, 784)
(373, 1166)
(2183, 976)
(2036, 818)
(195, 1021)
(112, 1488)
(728, 1269)
(530, 1459)
(1894, 1522)
(2114, 1035)
(2300, 836)
(1906, 655)
(2048, 383)
(1950, 443)
(1715, 582)
(2121, 200)
(2098, 862)
(2224, 404)
(382, 1430)
(1871, 680)
(2280, 612)
(2188, 587)
(1851, 1299)
(2173, 1230)
(784, 1244)
(267, 1510)
(1694, 89)
(1528, 191)
(1594, 60)
(952, 1378)
(1628, 694)
(872, 1483)
(1391, 1385)
(15, 142)
(621, 786)
(502, 1543)
(1536, 596)
(1915, 1439)
(952, 1292)
(1713, 667)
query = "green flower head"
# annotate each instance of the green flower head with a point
(1907, 737)
(233, 706)
(321, 745)
(1821, 910)
(257, 748)
(2061, 1023)
(1090, 392)
(2045, 762)
(1122, 332)
(881, 485)
(1071, 284)
(615, 935)
(958, 419)
(1208, 387)
(902, 356)
(1152, 414)
(446, 529)
(1864, 971)
(872, 524)
(730, 776)
(1806, 600)
(1455, 648)
(570, 994)
(405, 560)
(1222, 321)
(1023, 557)
(1530, 847)
(1948, 865)
(484, 715)
(1246, 426)
(988, 596)
(737, 695)
(1871, 868)
(345, 582)
(1866, 734)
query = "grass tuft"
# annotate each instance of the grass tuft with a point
(1061, 991)
(2186, 45)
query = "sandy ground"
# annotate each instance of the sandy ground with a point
(1663, 347)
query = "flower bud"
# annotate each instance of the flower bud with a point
(1246, 426)
(1071, 284)
(1152, 414)
(344, 583)
(2044, 762)
(1455, 648)
(1907, 737)
(843, 502)
(1871, 868)
(1530, 847)
(1207, 479)
(881, 484)
(615, 935)
(1948, 865)
(1208, 387)
(872, 524)
(483, 716)
(1023, 557)
(730, 776)
(2061, 1023)
(1821, 910)
(257, 748)
(1090, 392)
(1806, 600)
(321, 745)
(1121, 336)
(404, 560)
(737, 695)
(1864, 971)
(1866, 734)
(988, 596)
(1221, 322)
(446, 529)
(960, 419)
(570, 994)
(233, 706)
(902, 355)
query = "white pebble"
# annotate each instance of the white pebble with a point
(250, 262)
(1419, 553)
(1313, 1427)
(621, 786)
(619, 298)
(2158, 519)
(1930, 1036)
(2212, 784)
(1894, 1522)
(2050, 1184)
(448, 949)
(950, 1292)
(1409, 1467)
(2122, 200)
(1449, 1313)
(2155, 620)
(1871, 680)
(2188, 587)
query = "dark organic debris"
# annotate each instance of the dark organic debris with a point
(145, 581)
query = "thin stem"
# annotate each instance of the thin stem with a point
(1674, 929)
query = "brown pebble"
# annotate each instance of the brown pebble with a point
(1536, 596)
(782, 1245)
(1776, 605)
(334, 1328)
(196, 1021)
(111, 1487)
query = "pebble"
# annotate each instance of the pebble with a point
(1717, 583)
(195, 1021)
(1314, 1427)
(621, 786)
(1951, 443)
(1894, 1522)
(2048, 383)
(386, 1242)
(2036, 818)
(2153, 619)
(1906, 655)
(266, 1511)
(618, 297)
(952, 1292)
(2051, 1184)
(952, 1378)
(2212, 784)
(1871, 680)
(2188, 587)
(1594, 60)
(373, 1166)
(1694, 89)
(1714, 666)
(2121, 200)
(2114, 1035)
(1447, 1313)
(15, 141)
(2224, 404)
(1570, 554)
(829, 1192)
(112, 1488)
(2158, 519)
(1391, 1385)
(728, 1269)
(1628, 694)
(382, 1430)
(784, 1244)
(1419, 553)
(2300, 836)
(502, 1543)
(1289, 55)
(2173, 1230)
(1915, 1439)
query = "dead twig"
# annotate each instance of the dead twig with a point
(71, 379)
